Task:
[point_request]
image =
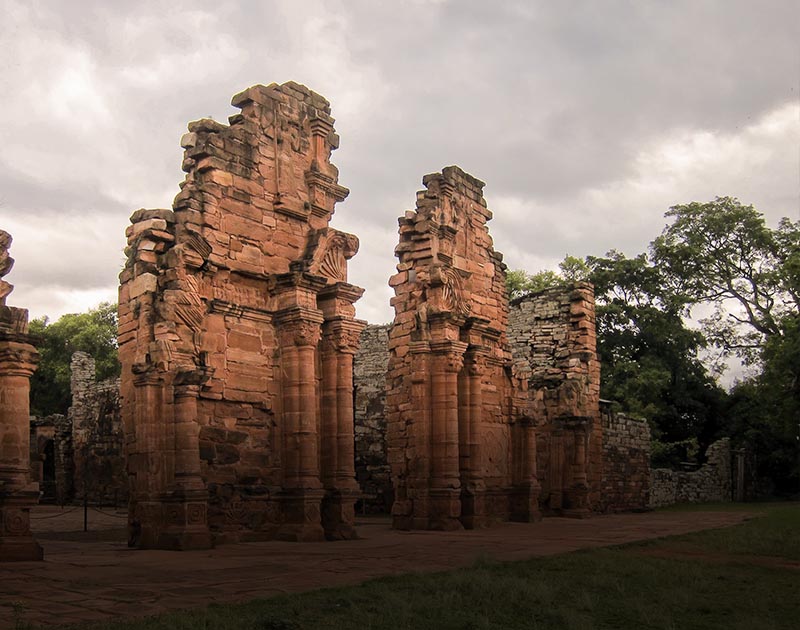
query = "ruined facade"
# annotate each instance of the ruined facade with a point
(553, 342)
(237, 335)
(18, 360)
(461, 452)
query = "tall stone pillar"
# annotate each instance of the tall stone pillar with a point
(187, 501)
(445, 485)
(339, 344)
(18, 359)
(473, 486)
(302, 490)
(526, 491)
(18, 493)
(147, 463)
(577, 494)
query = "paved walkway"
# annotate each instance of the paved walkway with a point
(84, 579)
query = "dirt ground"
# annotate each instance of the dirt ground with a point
(93, 575)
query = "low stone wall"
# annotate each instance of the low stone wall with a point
(712, 482)
(626, 462)
(369, 381)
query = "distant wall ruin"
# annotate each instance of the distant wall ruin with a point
(711, 482)
(82, 453)
(553, 343)
(626, 462)
(369, 379)
(237, 335)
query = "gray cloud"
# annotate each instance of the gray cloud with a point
(586, 120)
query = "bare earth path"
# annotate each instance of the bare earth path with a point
(94, 576)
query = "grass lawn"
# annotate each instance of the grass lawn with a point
(740, 577)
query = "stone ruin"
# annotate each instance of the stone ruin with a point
(461, 449)
(81, 455)
(18, 360)
(237, 332)
(237, 336)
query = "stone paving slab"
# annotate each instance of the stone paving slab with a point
(83, 580)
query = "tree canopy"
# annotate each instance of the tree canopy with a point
(94, 332)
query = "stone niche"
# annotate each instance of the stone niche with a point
(237, 332)
(18, 360)
(461, 443)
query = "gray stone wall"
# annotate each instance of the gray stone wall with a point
(369, 380)
(626, 462)
(97, 435)
(712, 482)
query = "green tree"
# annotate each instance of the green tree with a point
(723, 254)
(650, 360)
(94, 332)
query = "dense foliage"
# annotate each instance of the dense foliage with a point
(94, 332)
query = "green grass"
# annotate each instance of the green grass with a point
(738, 577)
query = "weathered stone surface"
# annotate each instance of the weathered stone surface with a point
(97, 435)
(369, 380)
(553, 342)
(626, 462)
(461, 454)
(18, 360)
(237, 335)
(711, 482)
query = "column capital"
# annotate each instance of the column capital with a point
(299, 332)
(343, 335)
(17, 358)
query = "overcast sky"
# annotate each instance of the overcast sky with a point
(587, 120)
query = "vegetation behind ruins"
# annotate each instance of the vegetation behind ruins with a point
(94, 332)
(719, 258)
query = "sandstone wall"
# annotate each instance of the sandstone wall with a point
(237, 334)
(369, 380)
(626, 462)
(459, 456)
(553, 344)
(712, 482)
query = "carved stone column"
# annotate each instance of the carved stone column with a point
(526, 490)
(302, 494)
(186, 504)
(577, 495)
(147, 465)
(18, 494)
(411, 503)
(445, 487)
(473, 486)
(340, 342)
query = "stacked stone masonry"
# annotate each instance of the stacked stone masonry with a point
(237, 332)
(626, 462)
(553, 344)
(82, 453)
(97, 435)
(711, 482)
(460, 448)
(18, 361)
(369, 380)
